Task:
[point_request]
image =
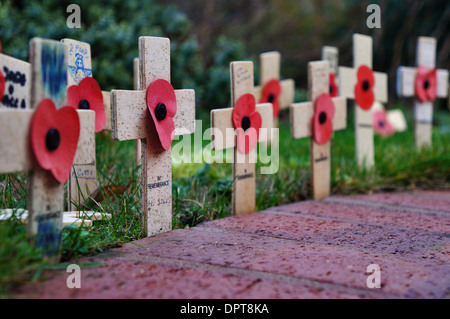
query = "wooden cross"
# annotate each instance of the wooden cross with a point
(423, 111)
(362, 55)
(301, 116)
(17, 75)
(223, 137)
(46, 195)
(270, 63)
(331, 55)
(131, 120)
(137, 143)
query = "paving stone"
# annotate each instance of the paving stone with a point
(412, 200)
(311, 249)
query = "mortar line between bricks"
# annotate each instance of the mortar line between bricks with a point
(389, 207)
(320, 245)
(431, 196)
(350, 221)
(257, 274)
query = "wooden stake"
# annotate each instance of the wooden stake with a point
(301, 126)
(46, 195)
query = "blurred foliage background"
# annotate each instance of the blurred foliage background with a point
(207, 35)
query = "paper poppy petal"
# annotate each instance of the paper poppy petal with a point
(364, 98)
(381, 125)
(324, 110)
(161, 91)
(366, 73)
(89, 90)
(245, 106)
(272, 88)
(66, 122)
(334, 90)
(421, 77)
(248, 139)
(432, 89)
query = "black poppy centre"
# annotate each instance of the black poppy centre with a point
(331, 89)
(271, 98)
(426, 84)
(366, 85)
(84, 105)
(245, 123)
(52, 139)
(322, 117)
(161, 112)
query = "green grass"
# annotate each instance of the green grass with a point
(203, 191)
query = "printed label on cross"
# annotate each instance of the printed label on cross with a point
(365, 86)
(425, 85)
(144, 115)
(318, 119)
(15, 78)
(271, 89)
(225, 134)
(42, 142)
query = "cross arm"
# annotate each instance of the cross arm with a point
(107, 105)
(406, 77)
(340, 114)
(20, 70)
(15, 149)
(347, 82)
(130, 117)
(223, 133)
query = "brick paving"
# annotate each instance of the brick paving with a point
(310, 249)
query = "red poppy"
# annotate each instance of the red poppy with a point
(334, 90)
(162, 104)
(426, 84)
(381, 125)
(323, 119)
(364, 95)
(54, 138)
(247, 121)
(271, 94)
(88, 96)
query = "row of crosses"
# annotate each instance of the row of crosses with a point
(153, 113)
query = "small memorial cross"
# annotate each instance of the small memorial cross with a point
(271, 89)
(366, 87)
(425, 83)
(245, 119)
(154, 114)
(318, 119)
(43, 141)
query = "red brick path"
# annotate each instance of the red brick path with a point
(311, 249)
